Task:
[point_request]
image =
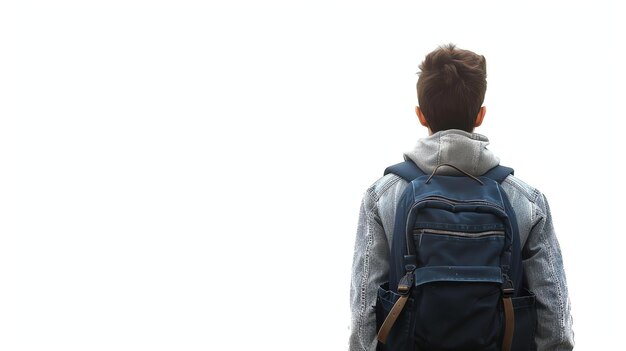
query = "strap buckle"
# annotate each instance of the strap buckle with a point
(507, 288)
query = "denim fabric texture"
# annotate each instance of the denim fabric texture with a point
(541, 254)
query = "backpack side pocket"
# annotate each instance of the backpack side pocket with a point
(525, 322)
(400, 337)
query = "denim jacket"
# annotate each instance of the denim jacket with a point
(541, 254)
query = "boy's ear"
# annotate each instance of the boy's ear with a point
(480, 116)
(420, 116)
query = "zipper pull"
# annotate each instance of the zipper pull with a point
(419, 242)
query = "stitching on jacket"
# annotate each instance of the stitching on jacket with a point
(513, 182)
(553, 275)
(536, 194)
(551, 264)
(376, 192)
(370, 214)
(388, 185)
(365, 278)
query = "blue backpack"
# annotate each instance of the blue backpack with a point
(455, 277)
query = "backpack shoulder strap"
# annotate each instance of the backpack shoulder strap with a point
(406, 170)
(499, 173)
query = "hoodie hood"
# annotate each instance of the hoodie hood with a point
(468, 151)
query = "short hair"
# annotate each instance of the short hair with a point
(451, 88)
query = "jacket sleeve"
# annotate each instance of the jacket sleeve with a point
(370, 268)
(543, 266)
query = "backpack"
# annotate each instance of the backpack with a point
(456, 280)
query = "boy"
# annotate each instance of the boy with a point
(450, 90)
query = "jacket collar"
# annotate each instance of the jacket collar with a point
(468, 151)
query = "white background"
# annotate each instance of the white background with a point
(179, 175)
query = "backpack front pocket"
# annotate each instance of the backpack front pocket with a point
(459, 311)
(458, 289)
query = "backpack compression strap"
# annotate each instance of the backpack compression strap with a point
(390, 320)
(404, 289)
(406, 170)
(509, 323)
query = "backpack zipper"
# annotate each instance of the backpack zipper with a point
(484, 234)
(459, 202)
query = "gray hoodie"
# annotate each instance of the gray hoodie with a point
(541, 253)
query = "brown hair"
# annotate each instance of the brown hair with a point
(451, 88)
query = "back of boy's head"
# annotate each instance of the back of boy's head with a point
(451, 88)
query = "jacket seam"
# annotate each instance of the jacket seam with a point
(536, 194)
(553, 275)
(366, 271)
(539, 213)
(521, 189)
(376, 195)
